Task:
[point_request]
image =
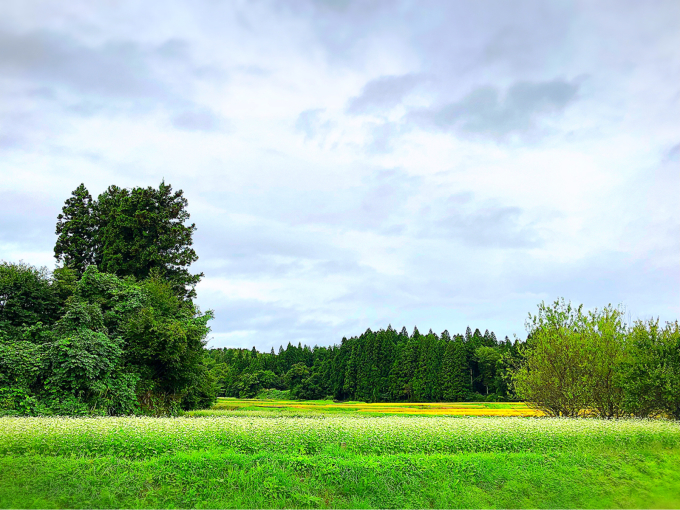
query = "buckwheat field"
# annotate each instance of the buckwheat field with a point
(287, 457)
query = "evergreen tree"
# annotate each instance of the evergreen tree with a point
(339, 367)
(454, 374)
(434, 370)
(425, 381)
(403, 335)
(396, 377)
(364, 384)
(349, 387)
(133, 232)
(376, 367)
(387, 345)
(410, 366)
(76, 228)
(487, 360)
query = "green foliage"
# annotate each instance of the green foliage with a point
(119, 347)
(555, 358)
(113, 331)
(295, 377)
(202, 391)
(487, 360)
(129, 233)
(249, 384)
(311, 388)
(81, 361)
(26, 296)
(85, 365)
(21, 363)
(650, 371)
(16, 400)
(605, 337)
(273, 394)
(76, 245)
(374, 367)
(593, 364)
(165, 337)
(455, 383)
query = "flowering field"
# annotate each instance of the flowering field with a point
(264, 459)
(328, 406)
(132, 437)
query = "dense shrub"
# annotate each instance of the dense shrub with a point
(649, 373)
(113, 346)
(577, 364)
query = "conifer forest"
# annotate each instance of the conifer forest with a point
(382, 366)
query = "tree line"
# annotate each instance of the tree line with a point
(571, 364)
(382, 366)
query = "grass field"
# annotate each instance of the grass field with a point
(324, 455)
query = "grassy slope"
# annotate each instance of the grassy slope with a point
(595, 478)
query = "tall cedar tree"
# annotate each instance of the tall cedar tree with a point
(455, 381)
(75, 246)
(133, 232)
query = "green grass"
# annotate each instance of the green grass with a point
(597, 478)
(256, 459)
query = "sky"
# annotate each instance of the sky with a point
(354, 164)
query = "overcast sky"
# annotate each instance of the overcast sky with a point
(358, 164)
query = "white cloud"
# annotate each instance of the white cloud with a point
(339, 163)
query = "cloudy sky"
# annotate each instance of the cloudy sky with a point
(356, 164)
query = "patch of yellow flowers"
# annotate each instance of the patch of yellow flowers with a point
(427, 408)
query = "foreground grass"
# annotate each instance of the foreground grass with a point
(259, 459)
(594, 478)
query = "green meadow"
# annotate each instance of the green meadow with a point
(270, 454)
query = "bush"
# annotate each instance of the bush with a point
(570, 361)
(577, 364)
(203, 392)
(650, 371)
(274, 394)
